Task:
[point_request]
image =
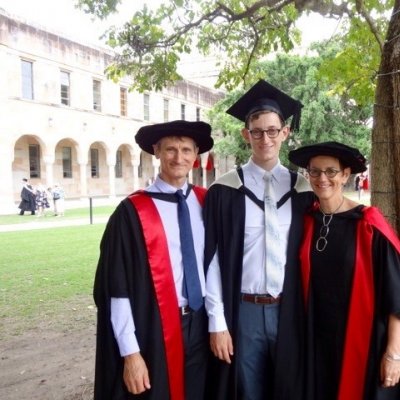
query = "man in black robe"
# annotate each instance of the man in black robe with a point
(27, 198)
(253, 333)
(152, 340)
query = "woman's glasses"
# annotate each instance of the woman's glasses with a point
(329, 172)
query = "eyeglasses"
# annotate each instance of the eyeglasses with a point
(329, 172)
(259, 133)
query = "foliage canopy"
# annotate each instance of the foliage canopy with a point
(241, 33)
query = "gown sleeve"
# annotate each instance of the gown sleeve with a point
(387, 270)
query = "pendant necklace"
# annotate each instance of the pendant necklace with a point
(322, 242)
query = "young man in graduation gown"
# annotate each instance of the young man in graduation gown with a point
(252, 316)
(152, 340)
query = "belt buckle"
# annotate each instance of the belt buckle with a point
(256, 299)
(185, 310)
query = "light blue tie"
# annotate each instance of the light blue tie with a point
(191, 285)
(274, 250)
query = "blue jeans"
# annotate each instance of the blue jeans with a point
(257, 334)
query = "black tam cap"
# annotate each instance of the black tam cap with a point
(350, 157)
(199, 131)
(263, 96)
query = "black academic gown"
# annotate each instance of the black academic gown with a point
(27, 200)
(225, 225)
(134, 263)
(122, 272)
(361, 248)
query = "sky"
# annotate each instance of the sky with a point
(62, 17)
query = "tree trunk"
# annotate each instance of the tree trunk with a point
(385, 155)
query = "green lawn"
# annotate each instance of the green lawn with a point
(46, 277)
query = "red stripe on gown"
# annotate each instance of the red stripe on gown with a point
(305, 251)
(374, 217)
(360, 319)
(362, 299)
(361, 309)
(164, 286)
(362, 305)
(200, 193)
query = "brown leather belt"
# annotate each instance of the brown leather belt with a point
(260, 298)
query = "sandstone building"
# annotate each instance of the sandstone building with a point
(62, 121)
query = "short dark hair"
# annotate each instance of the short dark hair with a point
(257, 114)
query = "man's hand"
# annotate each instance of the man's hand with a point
(221, 345)
(136, 375)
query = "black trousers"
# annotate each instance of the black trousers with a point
(195, 337)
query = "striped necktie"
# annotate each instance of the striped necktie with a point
(274, 251)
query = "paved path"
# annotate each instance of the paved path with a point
(56, 222)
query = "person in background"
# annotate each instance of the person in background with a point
(28, 202)
(350, 268)
(363, 185)
(58, 200)
(152, 340)
(251, 256)
(41, 198)
(357, 183)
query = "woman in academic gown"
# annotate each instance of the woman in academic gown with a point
(350, 268)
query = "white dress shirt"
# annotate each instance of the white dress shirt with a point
(253, 271)
(122, 317)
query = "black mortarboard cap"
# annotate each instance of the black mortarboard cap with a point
(264, 96)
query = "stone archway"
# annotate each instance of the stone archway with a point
(147, 169)
(66, 170)
(28, 162)
(124, 174)
(97, 171)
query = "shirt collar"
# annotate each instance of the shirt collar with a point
(257, 172)
(163, 187)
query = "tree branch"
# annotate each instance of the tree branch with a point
(361, 9)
